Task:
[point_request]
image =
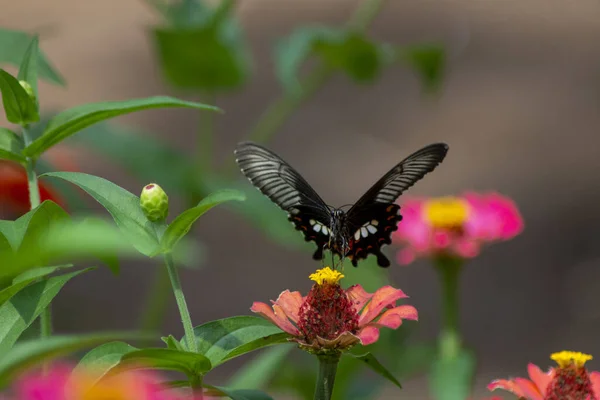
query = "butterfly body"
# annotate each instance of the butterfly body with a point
(352, 234)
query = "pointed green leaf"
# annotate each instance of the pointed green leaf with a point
(29, 353)
(123, 205)
(261, 369)
(452, 378)
(11, 146)
(97, 362)
(75, 119)
(24, 280)
(31, 226)
(19, 106)
(172, 343)
(241, 394)
(25, 306)
(227, 338)
(429, 61)
(14, 44)
(370, 360)
(192, 364)
(29, 66)
(183, 223)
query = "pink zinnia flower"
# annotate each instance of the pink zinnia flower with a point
(333, 318)
(455, 226)
(62, 384)
(570, 380)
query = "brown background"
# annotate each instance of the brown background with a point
(519, 109)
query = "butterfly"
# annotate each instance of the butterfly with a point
(352, 234)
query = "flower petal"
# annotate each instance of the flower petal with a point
(505, 384)
(540, 378)
(393, 318)
(529, 389)
(381, 298)
(358, 296)
(290, 303)
(595, 378)
(368, 335)
(276, 315)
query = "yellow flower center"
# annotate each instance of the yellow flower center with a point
(446, 212)
(326, 275)
(567, 358)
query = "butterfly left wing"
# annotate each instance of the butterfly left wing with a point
(375, 215)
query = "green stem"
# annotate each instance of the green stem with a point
(326, 378)
(183, 309)
(196, 384)
(449, 269)
(204, 154)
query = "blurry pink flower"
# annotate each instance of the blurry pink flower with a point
(63, 384)
(331, 318)
(455, 226)
(570, 380)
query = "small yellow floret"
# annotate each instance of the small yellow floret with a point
(446, 212)
(326, 275)
(567, 358)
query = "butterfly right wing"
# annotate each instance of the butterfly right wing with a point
(285, 187)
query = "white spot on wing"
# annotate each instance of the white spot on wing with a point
(312, 222)
(325, 231)
(357, 235)
(371, 229)
(374, 222)
(364, 232)
(317, 228)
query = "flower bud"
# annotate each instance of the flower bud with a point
(28, 89)
(154, 202)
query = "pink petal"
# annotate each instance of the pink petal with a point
(393, 318)
(441, 239)
(405, 256)
(358, 296)
(290, 303)
(413, 229)
(540, 378)
(505, 384)
(595, 378)
(33, 386)
(368, 335)
(466, 248)
(381, 298)
(529, 389)
(275, 315)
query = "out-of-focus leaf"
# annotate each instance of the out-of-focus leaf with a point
(29, 66)
(20, 108)
(97, 362)
(452, 378)
(24, 280)
(25, 306)
(376, 366)
(184, 221)
(14, 44)
(260, 370)
(227, 338)
(298, 376)
(192, 364)
(242, 394)
(428, 61)
(26, 354)
(11, 146)
(123, 205)
(75, 119)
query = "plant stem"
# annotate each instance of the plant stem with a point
(204, 153)
(449, 269)
(326, 378)
(196, 383)
(183, 309)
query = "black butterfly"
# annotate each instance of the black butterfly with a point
(364, 228)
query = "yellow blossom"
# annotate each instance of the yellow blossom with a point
(566, 358)
(446, 212)
(326, 275)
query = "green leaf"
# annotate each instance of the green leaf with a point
(11, 146)
(172, 343)
(227, 338)
(25, 306)
(376, 366)
(29, 65)
(184, 221)
(75, 119)
(242, 394)
(24, 280)
(429, 61)
(26, 354)
(13, 46)
(261, 370)
(452, 378)
(123, 205)
(192, 364)
(97, 362)
(19, 107)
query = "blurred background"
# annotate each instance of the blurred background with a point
(518, 105)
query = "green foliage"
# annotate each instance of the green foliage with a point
(429, 61)
(172, 343)
(11, 146)
(259, 372)
(19, 106)
(372, 362)
(98, 361)
(32, 352)
(191, 364)
(202, 47)
(25, 279)
(451, 378)
(28, 68)
(224, 339)
(13, 47)
(241, 394)
(184, 221)
(75, 119)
